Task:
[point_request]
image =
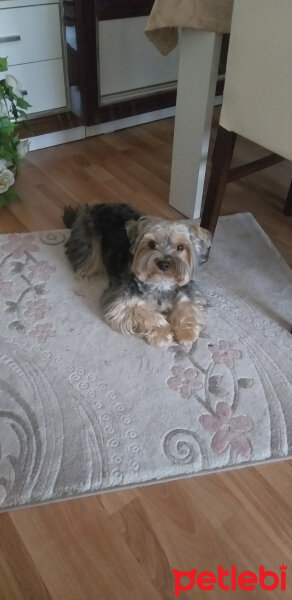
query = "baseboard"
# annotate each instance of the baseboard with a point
(46, 140)
(111, 126)
(55, 138)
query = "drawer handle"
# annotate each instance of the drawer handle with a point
(23, 92)
(9, 38)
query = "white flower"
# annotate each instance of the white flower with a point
(3, 109)
(22, 149)
(14, 84)
(6, 180)
(3, 164)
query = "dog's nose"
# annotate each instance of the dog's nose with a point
(163, 265)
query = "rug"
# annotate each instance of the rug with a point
(84, 409)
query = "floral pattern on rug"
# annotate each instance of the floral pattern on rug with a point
(33, 275)
(203, 385)
(229, 430)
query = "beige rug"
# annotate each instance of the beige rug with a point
(83, 409)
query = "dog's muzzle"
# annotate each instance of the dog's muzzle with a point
(163, 265)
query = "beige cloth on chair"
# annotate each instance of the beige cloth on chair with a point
(167, 15)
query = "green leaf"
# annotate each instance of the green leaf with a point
(22, 113)
(22, 103)
(9, 91)
(12, 195)
(9, 196)
(6, 126)
(8, 153)
(3, 64)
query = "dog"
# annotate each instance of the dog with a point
(150, 263)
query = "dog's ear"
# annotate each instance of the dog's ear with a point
(201, 241)
(132, 231)
(135, 230)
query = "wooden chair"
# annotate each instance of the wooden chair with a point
(257, 99)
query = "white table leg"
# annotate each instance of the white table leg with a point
(198, 68)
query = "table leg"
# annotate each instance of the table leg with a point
(198, 69)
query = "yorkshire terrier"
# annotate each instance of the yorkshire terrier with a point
(150, 263)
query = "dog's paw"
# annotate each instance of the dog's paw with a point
(187, 335)
(161, 336)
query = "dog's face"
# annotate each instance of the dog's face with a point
(166, 252)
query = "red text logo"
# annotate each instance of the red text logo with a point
(230, 580)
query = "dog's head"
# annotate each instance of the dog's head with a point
(166, 252)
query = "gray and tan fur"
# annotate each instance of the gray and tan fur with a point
(151, 265)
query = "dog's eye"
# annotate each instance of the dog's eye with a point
(180, 248)
(152, 245)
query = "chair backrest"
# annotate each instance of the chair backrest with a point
(257, 99)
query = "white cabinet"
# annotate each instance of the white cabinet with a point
(30, 36)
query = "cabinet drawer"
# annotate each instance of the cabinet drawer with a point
(44, 82)
(30, 34)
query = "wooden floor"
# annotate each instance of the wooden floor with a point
(123, 546)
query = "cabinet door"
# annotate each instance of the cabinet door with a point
(44, 83)
(116, 76)
(129, 65)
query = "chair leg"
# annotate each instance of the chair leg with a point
(288, 205)
(222, 157)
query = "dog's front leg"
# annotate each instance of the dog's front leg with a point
(186, 320)
(152, 325)
(136, 316)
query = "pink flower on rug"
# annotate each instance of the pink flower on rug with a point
(224, 354)
(36, 308)
(20, 244)
(5, 287)
(43, 331)
(41, 270)
(229, 430)
(184, 380)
